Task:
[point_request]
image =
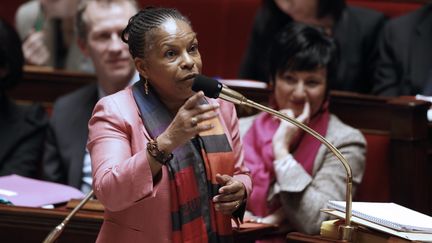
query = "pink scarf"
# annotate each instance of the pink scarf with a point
(259, 155)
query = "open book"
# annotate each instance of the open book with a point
(390, 215)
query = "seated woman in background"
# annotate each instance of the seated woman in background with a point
(293, 174)
(22, 127)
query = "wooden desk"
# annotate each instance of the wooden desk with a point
(296, 237)
(46, 85)
(24, 224)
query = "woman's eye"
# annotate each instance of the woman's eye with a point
(312, 83)
(194, 48)
(170, 54)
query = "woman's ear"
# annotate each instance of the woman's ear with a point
(141, 66)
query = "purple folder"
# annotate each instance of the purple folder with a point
(23, 191)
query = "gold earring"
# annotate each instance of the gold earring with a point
(146, 86)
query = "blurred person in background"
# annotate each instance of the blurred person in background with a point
(293, 174)
(354, 29)
(99, 25)
(49, 39)
(22, 127)
(405, 55)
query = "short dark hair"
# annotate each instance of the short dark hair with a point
(136, 33)
(11, 55)
(300, 47)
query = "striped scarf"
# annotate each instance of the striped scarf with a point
(192, 174)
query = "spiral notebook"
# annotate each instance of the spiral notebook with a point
(390, 215)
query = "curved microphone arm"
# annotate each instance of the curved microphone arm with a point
(56, 232)
(345, 231)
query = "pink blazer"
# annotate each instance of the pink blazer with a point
(136, 210)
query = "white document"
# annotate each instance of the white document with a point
(390, 215)
(422, 237)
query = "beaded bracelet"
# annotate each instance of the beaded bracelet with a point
(160, 156)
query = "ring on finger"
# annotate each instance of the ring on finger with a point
(194, 121)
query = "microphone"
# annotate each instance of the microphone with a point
(214, 89)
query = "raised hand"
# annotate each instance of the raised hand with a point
(231, 194)
(188, 122)
(35, 50)
(287, 133)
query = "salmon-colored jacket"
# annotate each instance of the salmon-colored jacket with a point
(136, 209)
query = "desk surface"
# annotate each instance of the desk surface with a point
(296, 237)
(24, 224)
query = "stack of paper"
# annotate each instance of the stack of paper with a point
(329, 230)
(390, 218)
(22, 191)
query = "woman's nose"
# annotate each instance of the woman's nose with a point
(299, 90)
(187, 61)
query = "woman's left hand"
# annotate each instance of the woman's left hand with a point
(231, 194)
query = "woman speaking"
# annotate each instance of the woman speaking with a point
(167, 163)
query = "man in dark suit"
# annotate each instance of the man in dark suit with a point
(354, 29)
(405, 55)
(99, 25)
(22, 127)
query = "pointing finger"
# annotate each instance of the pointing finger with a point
(305, 114)
(193, 100)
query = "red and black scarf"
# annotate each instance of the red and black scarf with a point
(192, 174)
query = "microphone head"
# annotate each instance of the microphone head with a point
(210, 87)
